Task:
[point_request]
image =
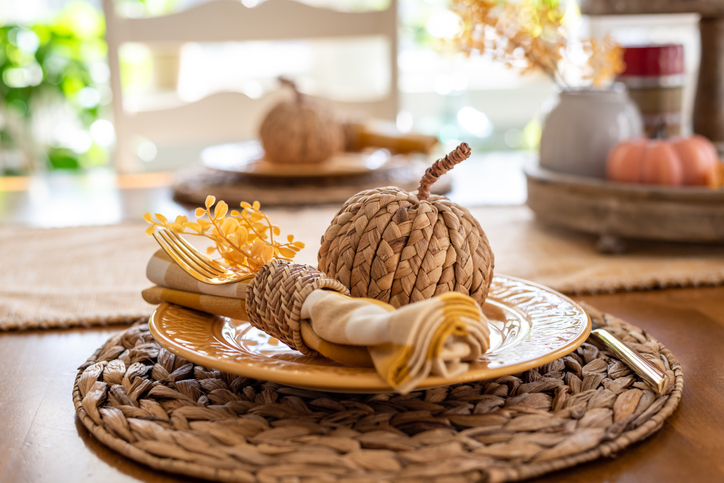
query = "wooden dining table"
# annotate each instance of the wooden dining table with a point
(42, 440)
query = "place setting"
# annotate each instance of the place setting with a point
(402, 347)
(307, 152)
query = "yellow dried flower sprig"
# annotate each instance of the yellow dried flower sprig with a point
(524, 34)
(528, 34)
(605, 60)
(244, 240)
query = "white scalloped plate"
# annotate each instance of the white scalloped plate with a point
(531, 325)
(248, 158)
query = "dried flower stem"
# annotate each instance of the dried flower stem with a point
(220, 233)
(244, 240)
(532, 33)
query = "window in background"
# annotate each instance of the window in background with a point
(459, 98)
(442, 91)
(53, 84)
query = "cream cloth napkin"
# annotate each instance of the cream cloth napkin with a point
(437, 336)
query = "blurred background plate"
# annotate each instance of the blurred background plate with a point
(248, 158)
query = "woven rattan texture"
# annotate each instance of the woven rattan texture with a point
(62, 278)
(163, 411)
(88, 276)
(192, 185)
(386, 244)
(275, 296)
(440, 167)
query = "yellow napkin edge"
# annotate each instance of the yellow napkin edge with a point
(234, 308)
(455, 307)
(349, 355)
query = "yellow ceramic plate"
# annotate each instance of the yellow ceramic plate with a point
(248, 158)
(530, 326)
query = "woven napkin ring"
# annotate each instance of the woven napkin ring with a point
(275, 296)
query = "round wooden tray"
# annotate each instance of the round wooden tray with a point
(618, 210)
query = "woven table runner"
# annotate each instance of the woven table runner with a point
(68, 277)
(167, 413)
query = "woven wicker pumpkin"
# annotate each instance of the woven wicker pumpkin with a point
(301, 130)
(399, 247)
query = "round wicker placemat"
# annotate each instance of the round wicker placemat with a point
(162, 411)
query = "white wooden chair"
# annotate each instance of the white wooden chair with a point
(228, 116)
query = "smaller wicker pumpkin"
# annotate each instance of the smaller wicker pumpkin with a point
(399, 247)
(301, 130)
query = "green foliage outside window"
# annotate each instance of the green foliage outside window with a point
(58, 66)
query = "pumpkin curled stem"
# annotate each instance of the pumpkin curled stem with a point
(440, 167)
(285, 81)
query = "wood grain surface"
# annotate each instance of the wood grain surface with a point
(707, 8)
(708, 114)
(41, 439)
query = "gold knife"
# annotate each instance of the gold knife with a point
(652, 375)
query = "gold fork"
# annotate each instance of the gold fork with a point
(195, 263)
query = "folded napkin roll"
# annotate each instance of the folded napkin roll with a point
(314, 314)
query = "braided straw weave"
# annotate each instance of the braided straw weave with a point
(275, 296)
(400, 248)
(160, 410)
(304, 130)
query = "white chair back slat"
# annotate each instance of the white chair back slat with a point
(230, 20)
(235, 115)
(228, 116)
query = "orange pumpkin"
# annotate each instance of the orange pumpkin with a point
(673, 162)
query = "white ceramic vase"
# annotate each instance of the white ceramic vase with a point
(585, 124)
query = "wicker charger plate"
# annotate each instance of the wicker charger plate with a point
(167, 413)
(192, 185)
